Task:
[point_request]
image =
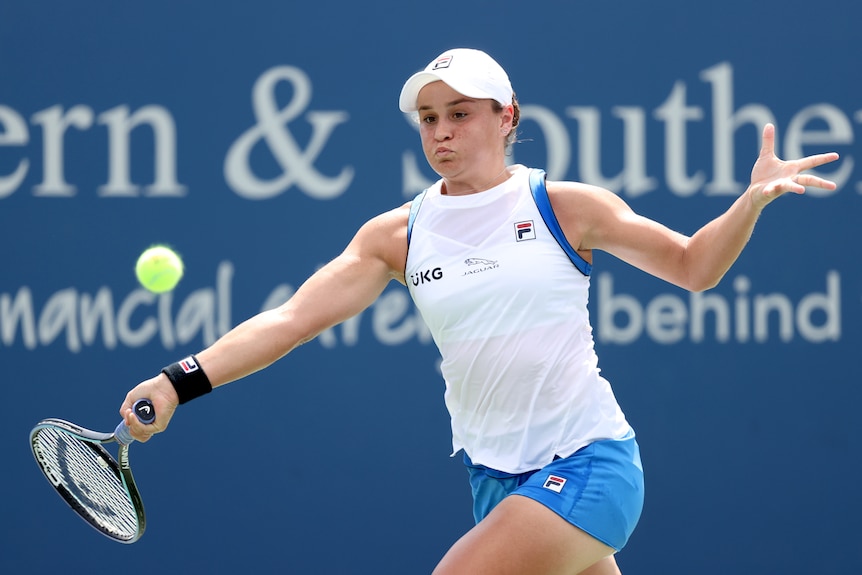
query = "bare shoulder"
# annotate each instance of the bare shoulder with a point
(384, 237)
(583, 210)
(599, 219)
(393, 221)
(581, 196)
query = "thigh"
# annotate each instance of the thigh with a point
(523, 536)
(490, 487)
(598, 489)
(606, 566)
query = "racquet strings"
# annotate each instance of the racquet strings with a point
(81, 469)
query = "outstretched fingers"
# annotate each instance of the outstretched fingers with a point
(773, 176)
(767, 148)
(767, 151)
(810, 162)
(781, 186)
(810, 180)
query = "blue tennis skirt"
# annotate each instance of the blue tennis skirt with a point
(599, 488)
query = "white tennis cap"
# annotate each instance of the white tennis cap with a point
(472, 73)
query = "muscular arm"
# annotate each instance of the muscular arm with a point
(338, 291)
(593, 218)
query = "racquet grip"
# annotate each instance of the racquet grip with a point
(146, 414)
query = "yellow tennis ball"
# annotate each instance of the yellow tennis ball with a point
(159, 269)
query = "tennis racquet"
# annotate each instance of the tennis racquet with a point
(96, 486)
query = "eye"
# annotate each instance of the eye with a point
(459, 115)
(429, 119)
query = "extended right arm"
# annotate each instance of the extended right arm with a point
(338, 291)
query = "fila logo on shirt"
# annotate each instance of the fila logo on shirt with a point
(525, 231)
(554, 483)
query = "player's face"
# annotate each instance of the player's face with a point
(462, 137)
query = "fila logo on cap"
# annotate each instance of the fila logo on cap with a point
(554, 483)
(442, 62)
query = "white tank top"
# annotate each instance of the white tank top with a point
(508, 312)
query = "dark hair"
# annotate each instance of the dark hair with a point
(512, 136)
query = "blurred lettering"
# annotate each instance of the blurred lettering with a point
(297, 164)
(81, 320)
(670, 318)
(815, 128)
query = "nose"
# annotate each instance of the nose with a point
(442, 130)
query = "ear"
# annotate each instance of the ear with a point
(507, 116)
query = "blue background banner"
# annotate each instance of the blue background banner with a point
(256, 137)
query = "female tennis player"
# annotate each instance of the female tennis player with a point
(553, 463)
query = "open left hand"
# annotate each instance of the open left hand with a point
(771, 176)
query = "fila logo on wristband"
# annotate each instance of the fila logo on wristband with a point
(188, 379)
(189, 365)
(554, 483)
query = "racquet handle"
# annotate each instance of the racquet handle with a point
(146, 414)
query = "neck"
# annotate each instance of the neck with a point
(465, 189)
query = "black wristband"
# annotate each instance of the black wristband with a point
(188, 379)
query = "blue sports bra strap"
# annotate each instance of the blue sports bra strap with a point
(414, 209)
(540, 195)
